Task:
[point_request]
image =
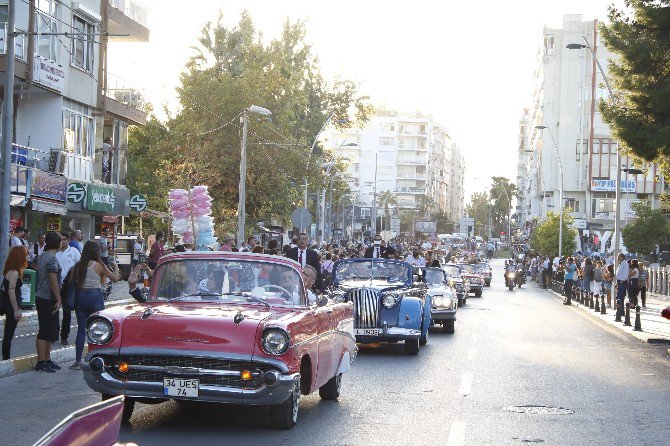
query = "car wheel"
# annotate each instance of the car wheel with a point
(448, 327)
(460, 302)
(411, 346)
(465, 301)
(478, 293)
(331, 390)
(423, 340)
(285, 415)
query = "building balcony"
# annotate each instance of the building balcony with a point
(124, 100)
(20, 52)
(410, 190)
(410, 176)
(128, 17)
(412, 161)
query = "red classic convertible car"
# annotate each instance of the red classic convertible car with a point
(223, 327)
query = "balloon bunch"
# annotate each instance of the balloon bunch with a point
(192, 215)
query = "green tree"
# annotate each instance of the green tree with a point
(544, 238)
(425, 205)
(234, 68)
(501, 193)
(639, 112)
(445, 224)
(386, 200)
(649, 228)
(479, 209)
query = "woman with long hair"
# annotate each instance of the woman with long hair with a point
(12, 272)
(89, 274)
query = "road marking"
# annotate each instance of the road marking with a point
(466, 384)
(472, 353)
(456, 433)
(31, 334)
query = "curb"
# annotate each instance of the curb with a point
(27, 363)
(641, 336)
(30, 319)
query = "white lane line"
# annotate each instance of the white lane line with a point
(456, 433)
(472, 353)
(466, 384)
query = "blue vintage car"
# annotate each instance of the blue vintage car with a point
(390, 304)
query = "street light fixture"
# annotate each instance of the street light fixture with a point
(560, 191)
(241, 204)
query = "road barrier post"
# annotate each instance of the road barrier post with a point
(591, 301)
(618, 311)
(626, 320)
(603, 309)
(596, 307)
(638, 322)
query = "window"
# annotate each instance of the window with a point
(78, 132)
(366, 212)
(4, 13)
(549, 49)
(82, 44)
(46, 23)
(584, 147)
(385, 141)
(388, 127)
(422, 129)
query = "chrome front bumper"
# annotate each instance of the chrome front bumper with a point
(104, 382)
(390, 333)
(443, 315)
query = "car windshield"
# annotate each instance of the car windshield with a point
(374, 269)
(468, 268)
(435, 276)
(452, 271)
(227, 281)
(483, 267)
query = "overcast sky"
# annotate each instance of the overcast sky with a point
(469, 64)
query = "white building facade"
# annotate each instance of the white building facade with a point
(567, 91)
(407, 154)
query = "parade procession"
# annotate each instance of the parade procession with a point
(271, 223)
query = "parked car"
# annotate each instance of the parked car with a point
(484, 270)
(222, 327)
(390, 303)
(475, 280)
(443, 298)
(460, 285)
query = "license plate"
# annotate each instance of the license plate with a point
(181, 387)
(366, 331)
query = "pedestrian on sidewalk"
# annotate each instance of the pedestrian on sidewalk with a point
(643, 283)
(634, 275)
(587, 275)
(12, 272)
(608, 276)
(570, 276)
(622, 276)
(597, 284)
(67, 257)
(90, 273)
(48, 302)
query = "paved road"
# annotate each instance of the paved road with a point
(510, 348)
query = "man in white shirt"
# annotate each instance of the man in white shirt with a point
(15, 239)
(67, 257)
(622, 273)
(416, 259)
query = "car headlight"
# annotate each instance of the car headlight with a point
(389, 301)
(99, 331)
(275, 341)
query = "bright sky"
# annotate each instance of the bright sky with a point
(469, 64)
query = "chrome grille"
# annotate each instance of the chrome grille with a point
(184, 361)
(366, 303)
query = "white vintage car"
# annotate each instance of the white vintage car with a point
(443, 297)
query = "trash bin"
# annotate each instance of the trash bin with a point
(28, 288)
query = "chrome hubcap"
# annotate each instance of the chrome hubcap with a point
(296, 400)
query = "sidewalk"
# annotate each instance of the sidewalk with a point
(65, 355)
(655, 328)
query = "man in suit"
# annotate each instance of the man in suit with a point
(379, 250)
(305, 256)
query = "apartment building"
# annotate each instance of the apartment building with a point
(67, 102)
(409, 155)
(568, 87)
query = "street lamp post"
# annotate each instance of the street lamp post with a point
(560, 191)
(241, 204)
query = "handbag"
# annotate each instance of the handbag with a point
(4, 299)
(69, 291)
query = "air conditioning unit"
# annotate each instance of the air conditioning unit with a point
(57, 160)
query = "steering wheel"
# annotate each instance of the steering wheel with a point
(269, 286)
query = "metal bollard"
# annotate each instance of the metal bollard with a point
(603, 309)
(591, 301)
(618, 311)
(596, 307)
(626, 320)
(638, 322)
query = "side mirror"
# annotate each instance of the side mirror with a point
(321, 301)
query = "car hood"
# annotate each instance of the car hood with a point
(186, 326)
(443, 290)
(377, 284)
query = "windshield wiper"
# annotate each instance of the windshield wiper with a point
(174, 299)
(257, 299)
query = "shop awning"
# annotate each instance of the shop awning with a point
(18, 200)
(48, 207)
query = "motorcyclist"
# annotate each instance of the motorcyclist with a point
(510, 267)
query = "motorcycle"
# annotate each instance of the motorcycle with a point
(520, 277)
(510, 280)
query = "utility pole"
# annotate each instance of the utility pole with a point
(241, 204)
(374, 199)
(7, 133)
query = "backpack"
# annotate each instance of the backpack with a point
(68, 291)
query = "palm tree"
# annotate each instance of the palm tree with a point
(425, 203)
(387, 199)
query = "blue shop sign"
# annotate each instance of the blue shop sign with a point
(49, 186)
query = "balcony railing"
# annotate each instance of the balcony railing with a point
(133, 10)
(124, 92)
(20, 50)
(411, 161)
(30, 157)
(410, 176)
(411, 190)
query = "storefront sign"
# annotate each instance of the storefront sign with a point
(610, 186)
(100, 198)
(49, 186)
(49, 74)
(15, 223)
(53, 223)
(76, 192)
(579, 223)
(138, 203)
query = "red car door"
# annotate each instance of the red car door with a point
(326, 344)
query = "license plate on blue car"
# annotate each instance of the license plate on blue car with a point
(366, 331)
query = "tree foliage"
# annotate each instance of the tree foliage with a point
(544, 238)
(444, 223)
(649, 228)
(479, 209)
(232, 69)
(502, 192)
(639, 112)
